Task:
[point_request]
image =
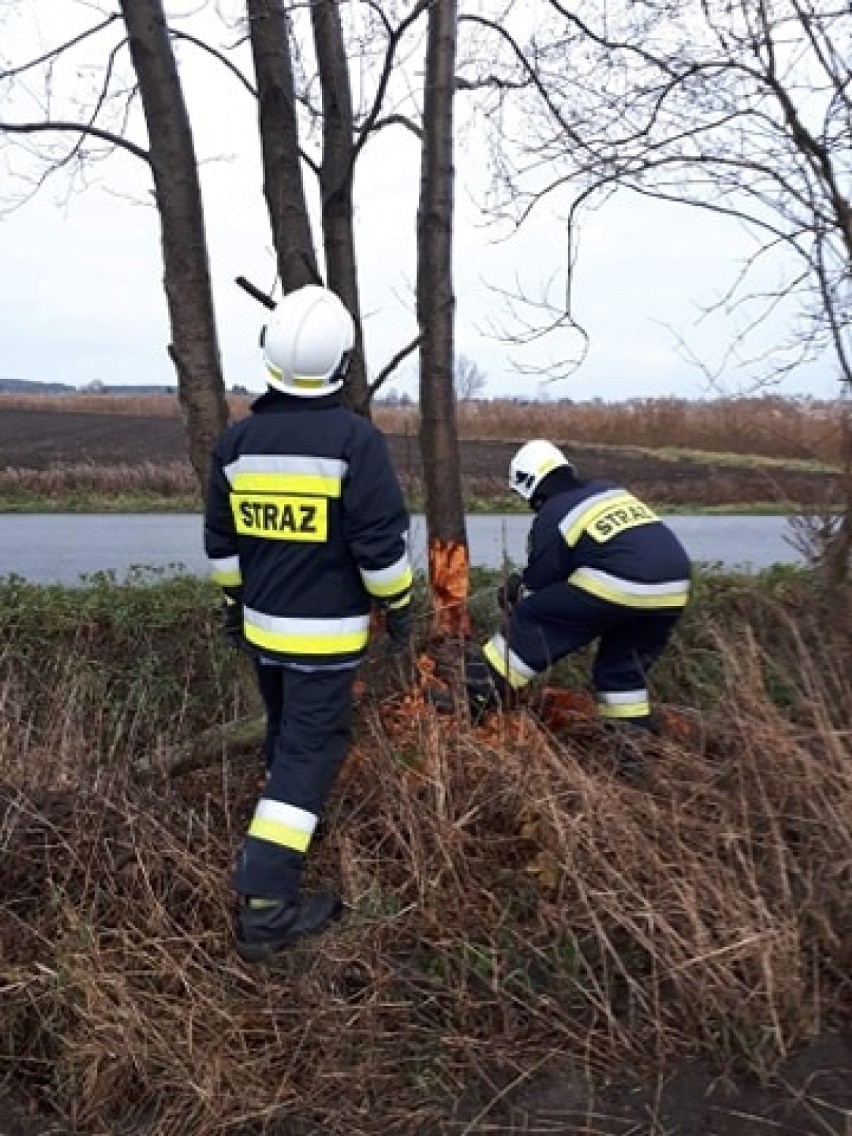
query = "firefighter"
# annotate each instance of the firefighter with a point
(306, 531)
(601, 566)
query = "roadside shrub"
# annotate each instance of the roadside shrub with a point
(114, 672)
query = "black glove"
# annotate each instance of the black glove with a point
(510, 592)
(232, 622)
(399, 624)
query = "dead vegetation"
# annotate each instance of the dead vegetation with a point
(798, 429)
(509, 900)
(774, 427)
(61, 481)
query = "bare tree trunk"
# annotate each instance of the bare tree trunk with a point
(269, 32)
(336, 176)
(448, 551)
(194, 348)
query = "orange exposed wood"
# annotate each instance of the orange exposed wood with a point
(449, 587)
(562, 708)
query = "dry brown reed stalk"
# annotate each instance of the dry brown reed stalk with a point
(163, 405)
(797, 428)
(509, 900)
(774, 427)
(166, 479)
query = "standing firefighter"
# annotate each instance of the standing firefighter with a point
(601, 566)
(305, 529)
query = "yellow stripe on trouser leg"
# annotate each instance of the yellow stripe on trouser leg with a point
(506, 663)
(283, 824)
(624, 704)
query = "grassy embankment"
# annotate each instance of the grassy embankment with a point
(512, 904)
(735, 436)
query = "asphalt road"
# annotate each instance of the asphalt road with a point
(64, 549)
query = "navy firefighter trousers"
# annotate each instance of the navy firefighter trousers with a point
(550, 624)
(308, 733)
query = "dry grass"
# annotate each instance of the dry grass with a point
(771, 426)
(167, 479)
(509, 899)
(163, 405)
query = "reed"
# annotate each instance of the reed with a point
(802, 429)
(775, 427)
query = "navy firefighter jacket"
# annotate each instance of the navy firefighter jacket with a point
(601, 538)
(305, 523)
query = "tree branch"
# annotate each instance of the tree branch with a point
(57, 51)
(394, 37)
(76, 128)
(388, 370)
(222, 58)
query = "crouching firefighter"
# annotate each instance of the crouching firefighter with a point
(601, 566)
(306, 530)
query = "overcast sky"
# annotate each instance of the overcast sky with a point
(81, 298)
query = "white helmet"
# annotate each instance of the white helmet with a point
(308, 342)
(531, 464)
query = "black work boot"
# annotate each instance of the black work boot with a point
(264, 927)
(628, 743)
(486, 690)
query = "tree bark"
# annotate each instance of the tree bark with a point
(186, 273)
(336, 178)
(444, 505)
(269, 33)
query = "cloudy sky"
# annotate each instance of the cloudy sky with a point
(81, 298)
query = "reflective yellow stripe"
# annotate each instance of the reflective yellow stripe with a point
(388, 588)
(624, 710)
(505, 662)
(255, 482)
(328, 636)
(403, 601)
(227, 578)
(294, 644)
(621, 592)
(573, 524)
(307, 635)
(390, 580)
(277, 833)
(287, 473)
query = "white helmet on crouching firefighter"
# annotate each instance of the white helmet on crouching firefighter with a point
(532, 463)
(308, 343)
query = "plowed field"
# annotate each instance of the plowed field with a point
(36, 439)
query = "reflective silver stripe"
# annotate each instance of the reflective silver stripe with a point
(616, 707)
(618, 698)
(268, 472)
(334, 635)
(282, 813)
(573, 524)
(225, 570)
(508, 665)
(283, 824)
(310, 668)
(673, 593)
(388, 581)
